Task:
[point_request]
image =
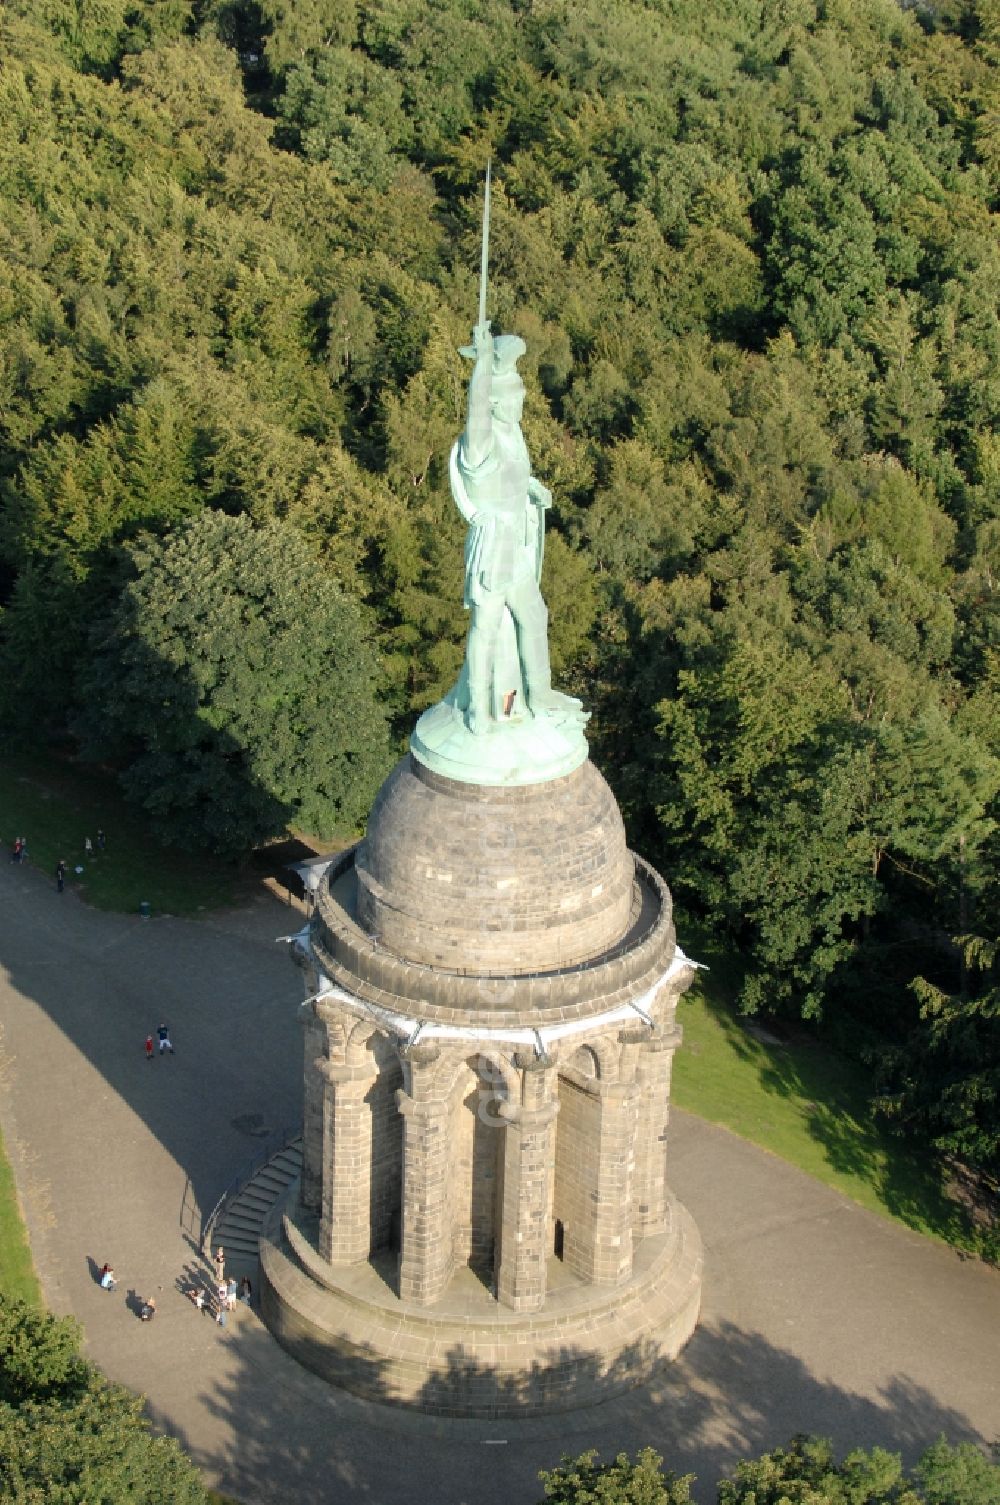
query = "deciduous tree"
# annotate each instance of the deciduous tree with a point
(235, 685)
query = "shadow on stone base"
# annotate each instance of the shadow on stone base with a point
(467, 1356)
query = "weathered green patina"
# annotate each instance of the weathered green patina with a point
(503, 723)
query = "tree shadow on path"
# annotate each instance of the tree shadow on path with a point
(732, 1394)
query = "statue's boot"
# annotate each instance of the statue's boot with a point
(553, 703)
(539, 696)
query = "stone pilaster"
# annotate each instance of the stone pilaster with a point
(650, 1201)
(345, 1222)
(425, 1263)
(598, 1230)
(313, 1096)
(529, 1147)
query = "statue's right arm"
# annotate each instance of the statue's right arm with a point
(478, 439)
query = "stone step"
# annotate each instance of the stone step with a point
(289, 1159)
(239, 1223)
(254, 1202)
(258, 1194)
(238, 1226)
(240, 1252)
(234, 1218)
(267, 1177)
(243, 1228)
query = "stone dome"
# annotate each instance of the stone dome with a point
(491, 880)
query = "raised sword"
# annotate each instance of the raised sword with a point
(485, 254)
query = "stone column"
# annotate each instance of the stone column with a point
(425, 1262)
(345, 1222)
(598, 1239)
(529, 1149)
(649, 1193)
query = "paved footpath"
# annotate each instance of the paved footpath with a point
(817, 1316)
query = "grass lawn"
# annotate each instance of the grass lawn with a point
(55, 805)
(807, 1105)
(17, 1273)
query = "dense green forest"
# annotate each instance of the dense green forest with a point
(753, 247)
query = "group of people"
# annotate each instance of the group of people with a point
(224, 1298)
(163, 1037)
(227, 1292)
(219, 1303)
(88, 851)
(19, 854)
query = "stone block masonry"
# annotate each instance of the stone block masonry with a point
(484, 1222)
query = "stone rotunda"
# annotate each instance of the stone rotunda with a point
(484, 1225)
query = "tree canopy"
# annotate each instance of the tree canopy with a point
(587, 1481)
(754, 252)
(66, 1434)
(806, 1472)
(236, 684)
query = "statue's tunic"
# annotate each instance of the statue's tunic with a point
(504, 542)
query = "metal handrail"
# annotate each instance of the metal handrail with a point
(244, 1176)
(189, 1208)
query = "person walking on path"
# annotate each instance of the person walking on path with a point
(231, 1293)
(88, 847)
(163, 1035)
(220, 1264)
(148, 1310)
(107, 1278)
(15, 854)
(61, 874)
(100, 839)
(149, 1047)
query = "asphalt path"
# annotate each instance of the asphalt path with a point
(818, 1316)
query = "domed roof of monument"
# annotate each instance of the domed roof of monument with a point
(492, 880)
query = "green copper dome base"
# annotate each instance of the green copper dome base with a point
(520, 750)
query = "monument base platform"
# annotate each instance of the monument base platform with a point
(467, 1355)
(521, 750)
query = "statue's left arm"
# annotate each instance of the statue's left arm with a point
(539, 494)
